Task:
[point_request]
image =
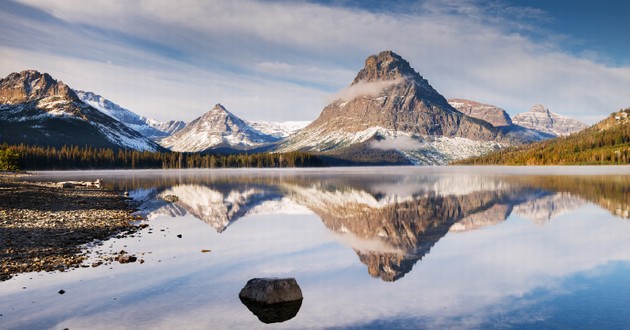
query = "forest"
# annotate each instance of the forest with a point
(26, 157)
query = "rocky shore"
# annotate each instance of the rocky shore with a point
(44, 226)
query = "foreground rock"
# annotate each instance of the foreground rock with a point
(272, 299)
(271, 290)
(43, 227)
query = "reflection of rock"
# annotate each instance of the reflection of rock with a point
(407, 227)
(217, 206)
(272, 299)
(543, 209)
(493, 215)
(273, 313)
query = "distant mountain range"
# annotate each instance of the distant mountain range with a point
(607, 142)
(389, 114)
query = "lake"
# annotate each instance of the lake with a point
(371, 248)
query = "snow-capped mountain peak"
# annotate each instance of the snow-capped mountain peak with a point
(217, 128)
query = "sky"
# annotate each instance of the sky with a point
(281, 60)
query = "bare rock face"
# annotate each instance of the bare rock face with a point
(271, 290)
(490, 113)
(541, 119)
(30, 85)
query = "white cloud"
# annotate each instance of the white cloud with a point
(278, 59)
(363, 88)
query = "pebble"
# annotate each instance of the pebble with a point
(44, 226)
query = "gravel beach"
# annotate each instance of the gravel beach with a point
(43, 226)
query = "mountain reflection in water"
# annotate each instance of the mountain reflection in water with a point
(391, 223)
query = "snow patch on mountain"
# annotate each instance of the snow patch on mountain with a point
(420, 150)
(278, 129)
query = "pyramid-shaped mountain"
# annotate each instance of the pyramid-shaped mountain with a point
(391, 107)
(217, 129)
(36, 109)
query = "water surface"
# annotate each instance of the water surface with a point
(376, 248)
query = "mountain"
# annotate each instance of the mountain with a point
(39, 110)
(217, 129)
(490, 113)
(607, 142)
(390, 107)
(278, 129)
(541, 119)
(148, 127)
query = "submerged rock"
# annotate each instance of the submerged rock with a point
(272, 300)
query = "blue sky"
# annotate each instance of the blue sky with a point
(281, 60)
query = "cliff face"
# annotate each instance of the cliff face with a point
(31, 85)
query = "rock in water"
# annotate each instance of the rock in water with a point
(271, 290)
(272, 300)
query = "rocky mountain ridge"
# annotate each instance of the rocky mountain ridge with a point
(146, 126)
(541, 119)
(37, 109)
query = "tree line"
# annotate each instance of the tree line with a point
(27, 157)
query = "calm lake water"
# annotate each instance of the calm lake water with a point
(371, 248)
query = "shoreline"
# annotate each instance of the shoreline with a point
(45, 227)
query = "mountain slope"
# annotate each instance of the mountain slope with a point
(148, 127)
(39, 110)
(490, 113)
(217, 128)
(389, 101)
(278, 129)
(541, 119)
(607, 142)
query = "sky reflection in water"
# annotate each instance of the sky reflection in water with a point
(370, 248)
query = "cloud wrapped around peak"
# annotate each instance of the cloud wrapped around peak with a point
(363, 88)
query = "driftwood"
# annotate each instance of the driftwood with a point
(72, 184)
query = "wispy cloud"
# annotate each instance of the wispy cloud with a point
(363, 88)
(278, 60)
